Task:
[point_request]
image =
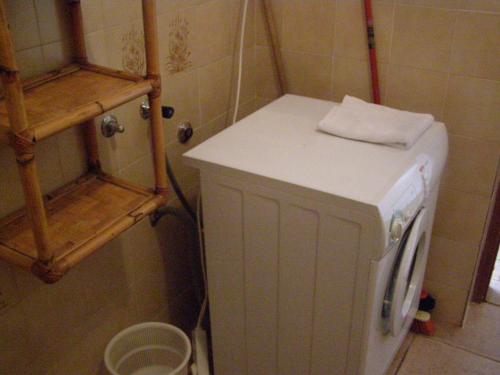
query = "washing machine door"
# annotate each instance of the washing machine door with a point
(403, 292)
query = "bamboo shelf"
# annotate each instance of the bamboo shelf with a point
(109, 206)
(72, 95)
(56, 232)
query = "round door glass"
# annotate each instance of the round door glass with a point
(414, 276)
(408, 270)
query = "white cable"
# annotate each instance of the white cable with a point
(240, 62)
(202, 260)
(204, 304)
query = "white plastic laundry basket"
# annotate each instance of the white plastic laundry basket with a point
(148, 349)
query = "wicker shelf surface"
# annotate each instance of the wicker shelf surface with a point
(79, 214)
(72, 95)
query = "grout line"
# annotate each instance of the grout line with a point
(391, 39)
(448, 73)
(405, 353)
(465, 349)
(452, 9)
(37, 20)
(333, 57)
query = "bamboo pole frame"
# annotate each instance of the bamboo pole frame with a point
(153, 73)
(23, 146)
(50, 261)
(275, 46)
(90, 110)
(80, 55)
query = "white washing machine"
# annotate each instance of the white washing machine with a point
(316, 245)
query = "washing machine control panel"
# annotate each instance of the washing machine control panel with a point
(411, 197)
(397, 226)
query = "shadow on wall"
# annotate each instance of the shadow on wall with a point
(142, 275)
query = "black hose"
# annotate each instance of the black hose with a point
(192, 244)
(179, 193)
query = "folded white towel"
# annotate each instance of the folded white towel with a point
(357, 119)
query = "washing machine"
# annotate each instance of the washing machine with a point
(316, 245)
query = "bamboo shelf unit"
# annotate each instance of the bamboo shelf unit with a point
(54, 233)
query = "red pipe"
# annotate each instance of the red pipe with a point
(372, 51)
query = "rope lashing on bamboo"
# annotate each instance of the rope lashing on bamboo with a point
(10, 75)
(24, 148)
(49, 272)
(155, 84)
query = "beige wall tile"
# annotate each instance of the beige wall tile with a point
(53, 20)
(86, 355)
(451, 263)
(353, 77)
(134, 143)
(248, 72)
(121, 12)
(23, 23)
(181, 92)
(450, 302)
(308, 26)
(119, 279)
(261, 33)
(188, 176)
(448, 4)
(53, 328)
(215, 89)
(107, 151)
(133, 48)
(485, 5)
(174, 5)
(15, 343)
(245, 109)
(177, 33)
(9, 295)
(150, 293)
(97, 52)
(350, 29)
(473, 108)
(212, 32)
(308, 75)
(30, 62)
(113, 51)
(262, 102)
(266, 78)
(10, 184)
(139, 172)
(236, 19)
(130, 279)
(472, 164)
(92, 15)
(175, 150)
(416, 90)
(476, 48)
(48, 165)
(422, 37)
(56, 54)
(71, 153)
(140, 249)
(461, 216)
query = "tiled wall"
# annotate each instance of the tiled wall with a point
(143, 274)
(436, 56)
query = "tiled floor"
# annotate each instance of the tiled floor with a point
(493, 295)
(473, 349)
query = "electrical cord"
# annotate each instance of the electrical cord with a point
(204, 305)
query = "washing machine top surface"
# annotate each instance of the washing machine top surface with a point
(281, 142)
